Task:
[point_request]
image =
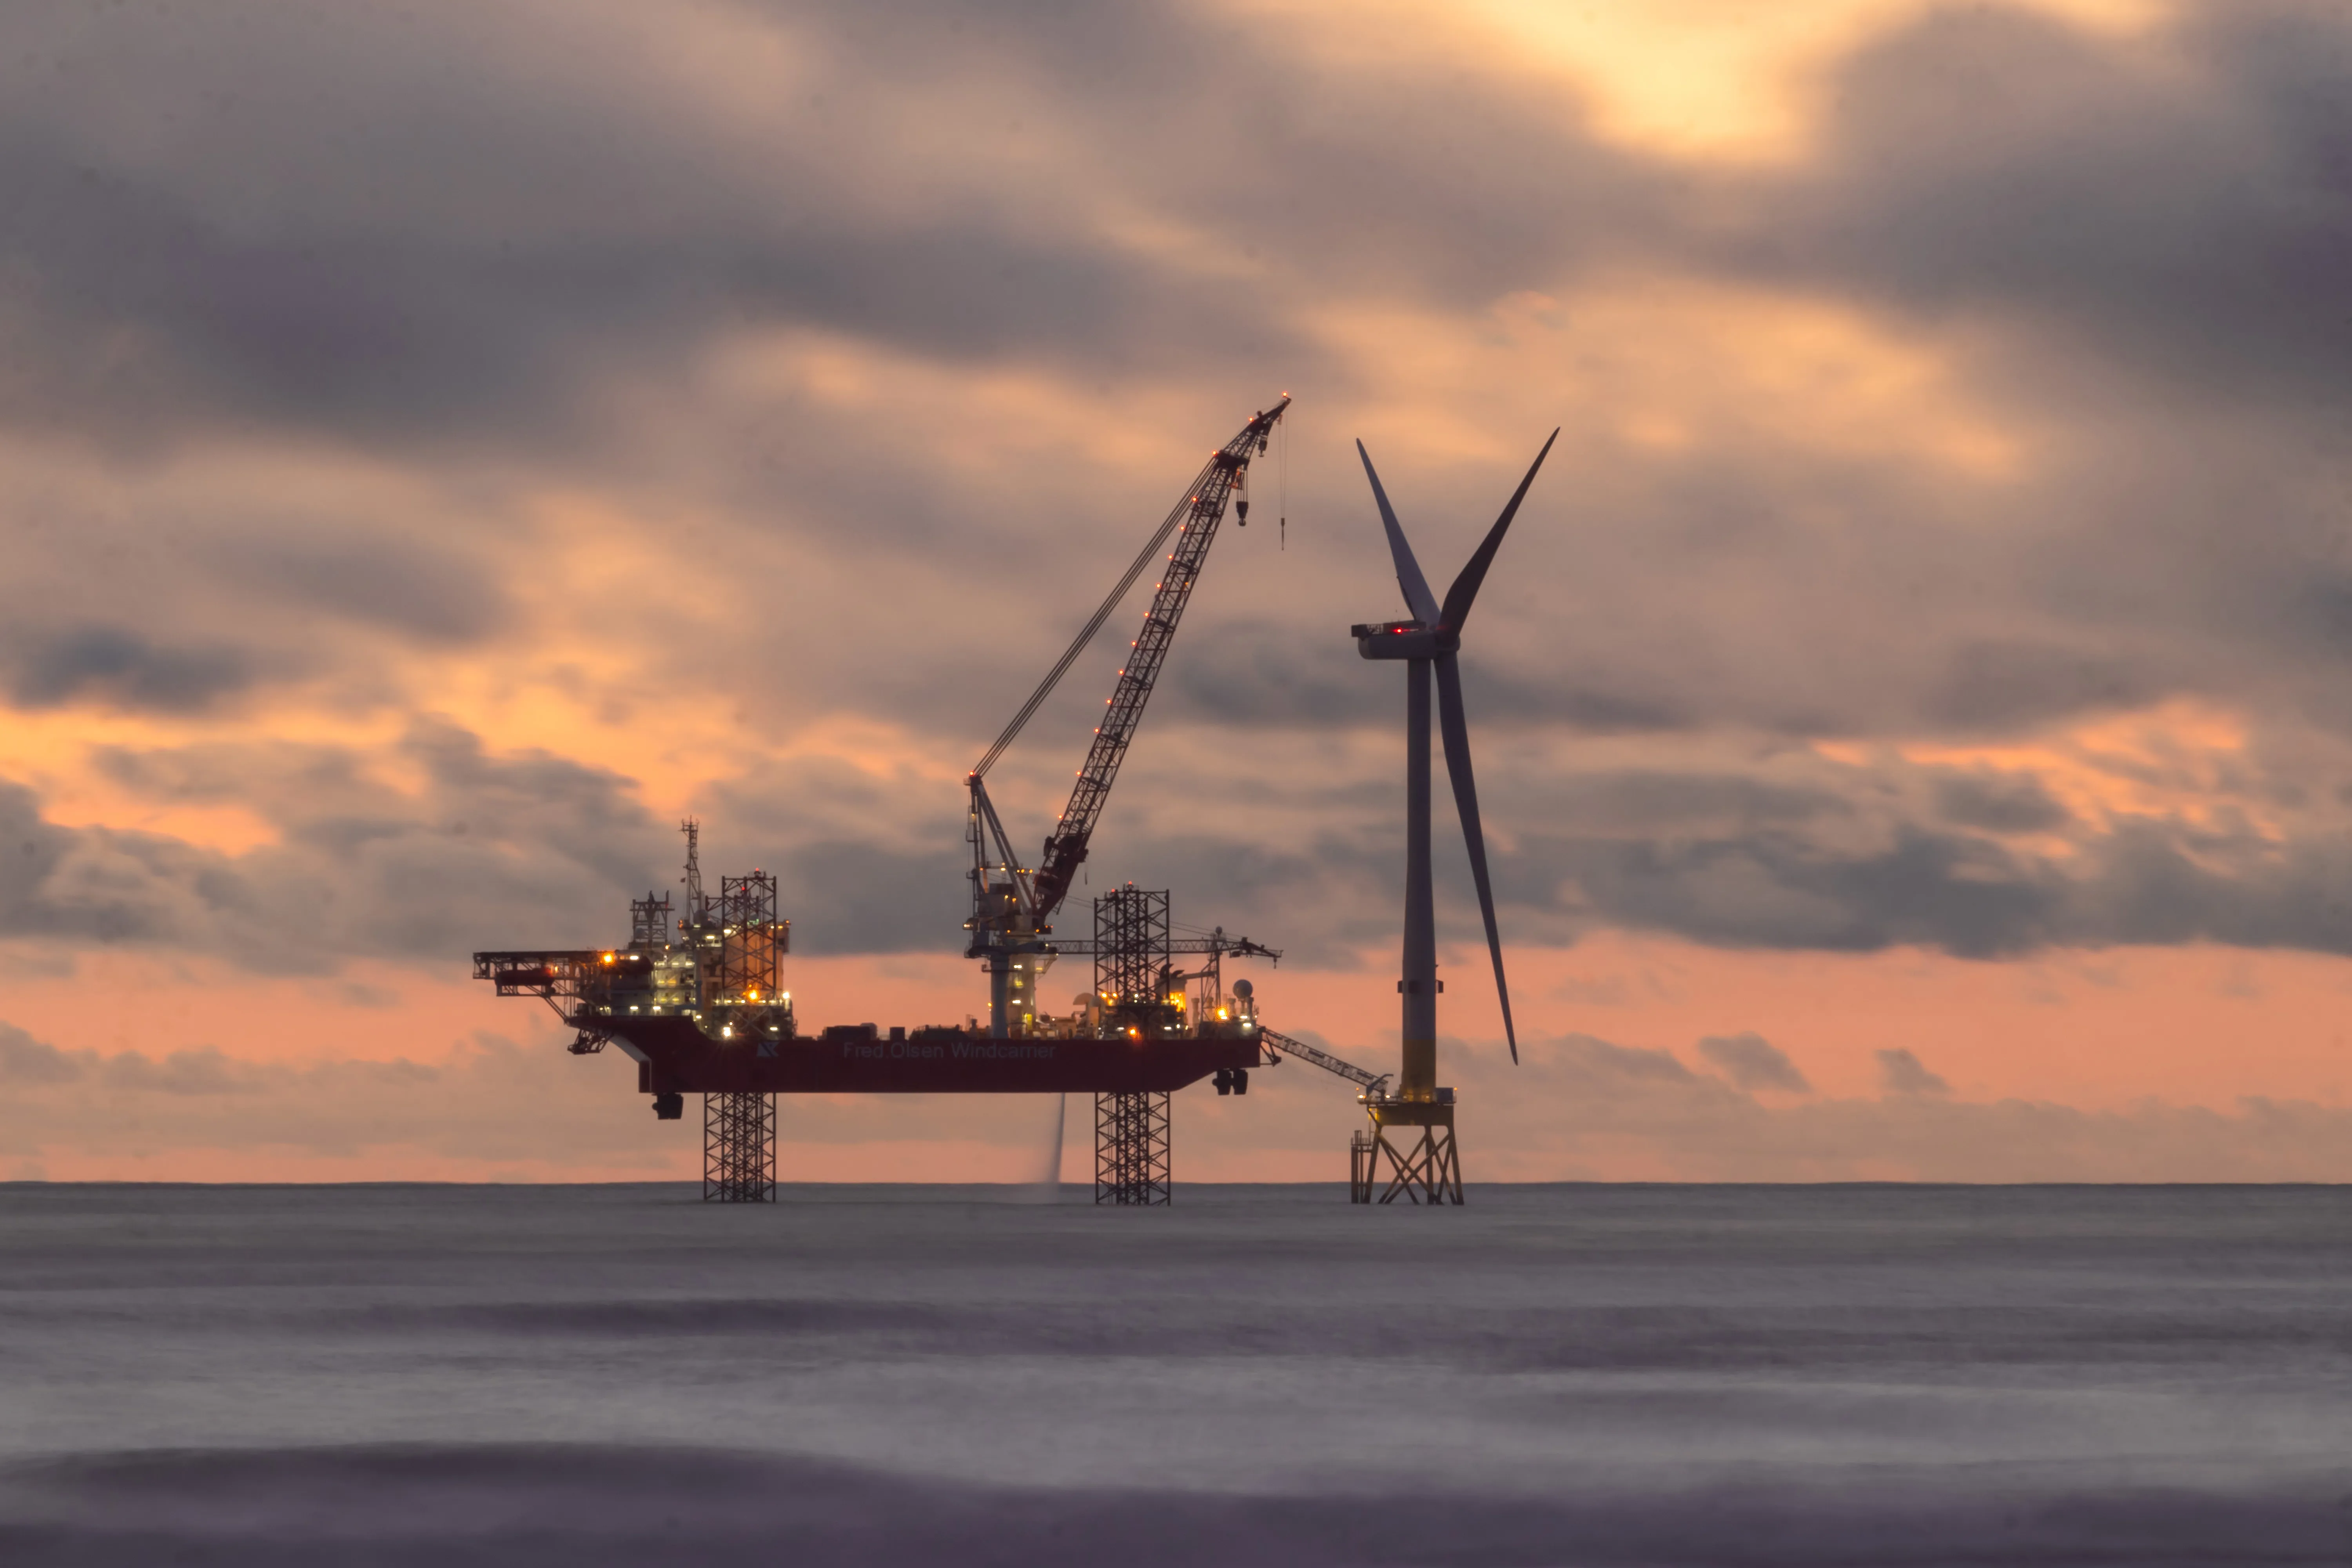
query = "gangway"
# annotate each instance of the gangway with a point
(1278, 1045)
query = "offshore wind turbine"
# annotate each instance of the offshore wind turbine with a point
(1429, 1170)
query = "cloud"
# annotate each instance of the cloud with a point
(201, 1070)
(1964, 895)
(1564, 1113)
(512, 243)
(697, 388)
(486, 851)
(1903, 1073)
(443, 471)
(31, 1064)
(1579, 1107)
(863, 897)
(483, 848)
(24, 1060)
(2015, 683)
(491, 1106)
(1753, 1063)
(2195, 243)
(435, 844)
(1996, 803)
(119, 668)
(1596, 1061)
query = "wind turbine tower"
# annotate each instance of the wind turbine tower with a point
(1427, 1169)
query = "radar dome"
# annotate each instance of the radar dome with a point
(1242, 989)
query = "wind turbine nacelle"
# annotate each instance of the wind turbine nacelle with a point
(1402, 639)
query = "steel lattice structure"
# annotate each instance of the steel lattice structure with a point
(1014, 907)
(753, 939)
(1131, 966)
(1422, 1164)
(1132, 1150)
(1201, 511)
(564, 978)
(649, 922)
(738, 1148)
(1132, 949)
(1361, 1167)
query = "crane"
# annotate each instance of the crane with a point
(1014, 905)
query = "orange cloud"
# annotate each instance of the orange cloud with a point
(1712, 80)
(1653, 362)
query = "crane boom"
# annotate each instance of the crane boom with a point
(1012, 906)
(1197, 516)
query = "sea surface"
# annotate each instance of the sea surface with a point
(1555, 1374)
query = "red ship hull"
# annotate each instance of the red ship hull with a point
(674, 1056)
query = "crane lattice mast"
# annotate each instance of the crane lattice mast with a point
(1012, 906)
(1065, 849)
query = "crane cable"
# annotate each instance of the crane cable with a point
(1087, 633)
(1282, 490)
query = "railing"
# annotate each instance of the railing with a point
(562, 977)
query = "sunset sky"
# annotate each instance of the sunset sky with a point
(446, 443)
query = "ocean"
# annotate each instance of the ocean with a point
(1579, 1374)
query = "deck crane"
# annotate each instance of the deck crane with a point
(1014, 905)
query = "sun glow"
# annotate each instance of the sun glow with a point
(1716, 80)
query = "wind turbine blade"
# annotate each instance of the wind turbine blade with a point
(1466, 586)
(1417, 596)
(1465, 800)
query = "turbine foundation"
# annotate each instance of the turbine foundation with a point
(1412, 1142)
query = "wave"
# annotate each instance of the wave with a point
(453, 1506)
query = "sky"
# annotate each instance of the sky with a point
(447, 444)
